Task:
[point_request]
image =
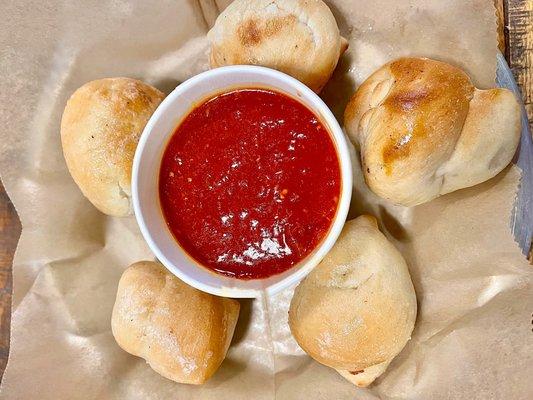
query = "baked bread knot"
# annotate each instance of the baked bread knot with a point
(101, 126)
(182, 332)
(298, 37)
(356, 310)
(423, 130)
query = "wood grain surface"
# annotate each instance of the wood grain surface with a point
(518, 17)
(515, 37)
(9, 236)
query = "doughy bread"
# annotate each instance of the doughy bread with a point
(424, 130)
(100, 129)
(356, 310)
(298, 37)
(181, 332)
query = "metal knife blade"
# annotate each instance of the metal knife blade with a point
(522, 214)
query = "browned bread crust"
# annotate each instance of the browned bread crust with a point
(424, 130)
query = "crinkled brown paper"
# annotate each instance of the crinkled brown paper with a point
(473, 338)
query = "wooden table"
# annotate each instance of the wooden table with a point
(516, 41)
(9, 236)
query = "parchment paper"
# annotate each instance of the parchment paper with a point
(473, 337)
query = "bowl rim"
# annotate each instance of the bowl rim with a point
(342, 150)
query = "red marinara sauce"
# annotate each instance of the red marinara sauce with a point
(249, 183)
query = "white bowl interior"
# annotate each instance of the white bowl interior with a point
(146, 174)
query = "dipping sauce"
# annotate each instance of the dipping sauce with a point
(249, 183)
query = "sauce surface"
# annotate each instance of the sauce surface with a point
(249, 183)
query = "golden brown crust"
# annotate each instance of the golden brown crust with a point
(298, 37)
(181, 332)
(254, 32)
(100, 129)
(422, 105)
(408, 119)
(357, 308)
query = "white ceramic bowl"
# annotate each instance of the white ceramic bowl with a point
(147, 161)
